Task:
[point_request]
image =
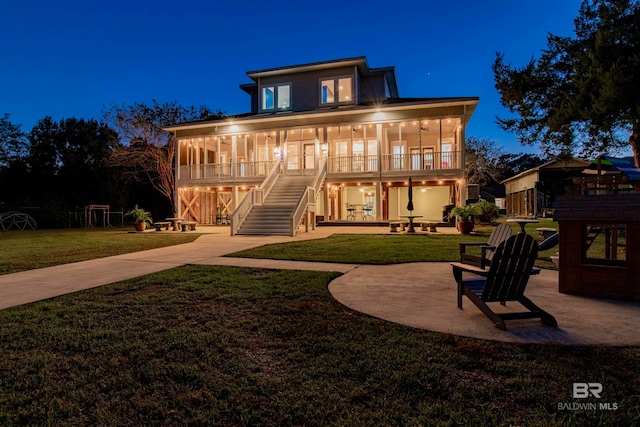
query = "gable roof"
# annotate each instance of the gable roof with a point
(569, 164)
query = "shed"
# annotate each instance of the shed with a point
(534, 191)
(600, 245)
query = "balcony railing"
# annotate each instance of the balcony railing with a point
(223, 170)
(340, 164)
(395, 162)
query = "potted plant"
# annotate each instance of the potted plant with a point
(140, 216)
(464, 215)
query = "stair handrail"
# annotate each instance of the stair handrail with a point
(320, 175)
(308, 197)
(254, 197)
(241, 212)
(267, 184)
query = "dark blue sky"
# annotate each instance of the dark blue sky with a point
(73, 58)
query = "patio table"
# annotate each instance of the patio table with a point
(175, 222)
(410, 229)
(522, 222)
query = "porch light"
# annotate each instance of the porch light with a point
(234, 128)
(440, 181)
(362, 190)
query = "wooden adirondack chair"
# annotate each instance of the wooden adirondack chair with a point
(487, 249)
(505, 280)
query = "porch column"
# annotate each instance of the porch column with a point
(176, 176)
(326, 200)
(379, 201)
(234, 197)
(234, 157)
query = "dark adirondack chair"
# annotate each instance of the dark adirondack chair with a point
(505, 280)
(487, 249)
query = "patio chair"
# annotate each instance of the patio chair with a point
(367, 211)
(549, 242)
(351, 212)
(505, 280)
(487, 249)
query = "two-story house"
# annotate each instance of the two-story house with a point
(327, 141)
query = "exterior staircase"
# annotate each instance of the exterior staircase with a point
(273, 217)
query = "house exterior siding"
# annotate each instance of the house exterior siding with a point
(370, 148)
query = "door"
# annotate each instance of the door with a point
(301, 157)
(293, 157)
(309, 150)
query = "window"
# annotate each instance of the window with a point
(336, 91)
(276, 97)
(328, 88)
(605, 244)
(284, 97)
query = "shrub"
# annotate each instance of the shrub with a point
(487, 211)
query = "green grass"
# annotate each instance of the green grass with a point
(203, 345)
(369, 248)
(26, 250)
(387, 248)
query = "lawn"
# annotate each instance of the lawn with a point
(26, 250)
(388, 248)
(206, 345)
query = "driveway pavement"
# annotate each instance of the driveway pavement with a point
(419, 295)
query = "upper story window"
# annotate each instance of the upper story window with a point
(337, 90)
(276, 97)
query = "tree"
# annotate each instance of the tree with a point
(13, 168)
(514, 164)
(481, 161)
(68, 166)
(583, 95)
(44, 154)
(84, 150)
(148, 151)
(13, 144)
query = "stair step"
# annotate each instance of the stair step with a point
(273, 217)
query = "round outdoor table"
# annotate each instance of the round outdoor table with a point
(175, 222)
(522, 222)
(411, 217)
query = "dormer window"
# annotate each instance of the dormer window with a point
(276, 97)
(337, 90)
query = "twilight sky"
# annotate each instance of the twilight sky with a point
(73, 58)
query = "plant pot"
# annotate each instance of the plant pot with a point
(141, 226)
(465, 227)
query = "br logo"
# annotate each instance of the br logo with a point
(584, 390)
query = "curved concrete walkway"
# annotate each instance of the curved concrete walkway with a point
(420, 295)
(423, 295)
